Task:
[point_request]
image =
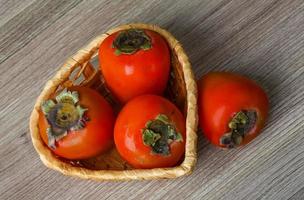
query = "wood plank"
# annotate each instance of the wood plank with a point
(298, 195)
(260, 39)
(25, 26)
(9, 9)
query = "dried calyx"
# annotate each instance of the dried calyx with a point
(63, 114)
(240, 125)
(159, 133)
(130, 41)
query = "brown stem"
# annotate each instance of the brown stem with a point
(63, 115)
(159, 134)
(130, 41)
(240, 125)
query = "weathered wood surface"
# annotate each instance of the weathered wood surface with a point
(261, 39)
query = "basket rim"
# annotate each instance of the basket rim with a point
(84, 54)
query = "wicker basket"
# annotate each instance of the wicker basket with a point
(79, 70)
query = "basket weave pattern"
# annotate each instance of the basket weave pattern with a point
(78, 69)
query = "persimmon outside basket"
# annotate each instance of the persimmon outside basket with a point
(79, 70)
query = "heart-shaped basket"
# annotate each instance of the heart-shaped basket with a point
(82, 69)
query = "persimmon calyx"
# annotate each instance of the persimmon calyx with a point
(130, 41)
(63, 114)
(159, 133)
(240, 125)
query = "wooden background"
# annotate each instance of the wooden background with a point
(263, 39)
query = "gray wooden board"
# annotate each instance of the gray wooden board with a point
(261, 39)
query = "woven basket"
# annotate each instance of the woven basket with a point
(80, 70)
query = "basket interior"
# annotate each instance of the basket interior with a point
(89, 75)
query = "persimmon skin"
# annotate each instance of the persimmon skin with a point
(131, 75)
(128, 132)
(97, 135)
(221, 96)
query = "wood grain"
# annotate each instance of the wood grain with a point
(261, 39)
